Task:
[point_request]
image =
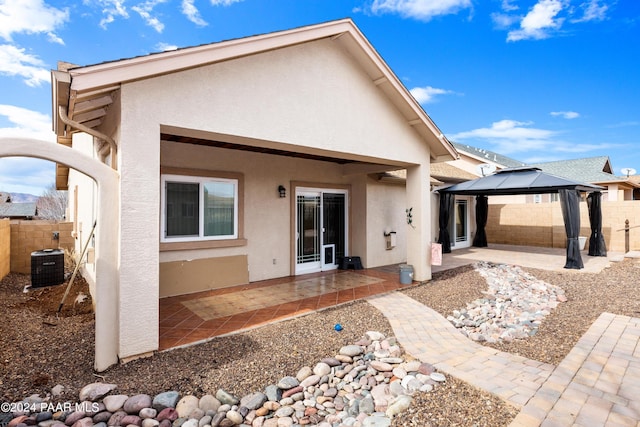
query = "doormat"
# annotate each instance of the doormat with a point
(212, 307)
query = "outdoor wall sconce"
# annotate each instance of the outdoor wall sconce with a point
(282, 191)
(390, 239)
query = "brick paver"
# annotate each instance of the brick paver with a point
(597, 384)
(431, 338)
(599, 380)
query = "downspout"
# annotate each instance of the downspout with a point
(102, 137)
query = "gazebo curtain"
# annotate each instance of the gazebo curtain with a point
(570, 204)
(597, 246)
(482, 210)
(446, 206)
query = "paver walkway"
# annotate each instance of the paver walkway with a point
(597, 384)
(431, 338)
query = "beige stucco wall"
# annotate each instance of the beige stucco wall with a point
(311, 97)
(386, 206)
(268, 218)
(542, 224)
(83, 192)
(5, 248)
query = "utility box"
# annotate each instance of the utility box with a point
(47, 268)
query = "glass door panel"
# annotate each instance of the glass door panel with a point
(321, 229)
(334, 228)
(308, 231)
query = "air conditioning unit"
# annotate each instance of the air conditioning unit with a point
(47, 268)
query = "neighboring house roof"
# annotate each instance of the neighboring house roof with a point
(5, 197)
(18, 210)
(444, 172)
(86, 93)
(488, 156)
(596, 170)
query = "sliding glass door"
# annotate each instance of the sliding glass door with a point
(321, 229)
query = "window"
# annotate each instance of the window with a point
(199, 208)
(537, 198)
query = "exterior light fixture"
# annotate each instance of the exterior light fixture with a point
(282, 191)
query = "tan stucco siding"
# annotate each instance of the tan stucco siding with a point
(386, 207)
(267, 217)
(312, 95)
(187, 276)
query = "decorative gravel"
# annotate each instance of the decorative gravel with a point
(40, 350)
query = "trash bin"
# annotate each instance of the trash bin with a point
(406, 274)
(582, 242)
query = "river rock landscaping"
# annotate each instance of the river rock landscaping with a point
(513, 307)
(365, 384)
(48, 358)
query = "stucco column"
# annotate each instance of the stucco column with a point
(139, 166)
(419, 232)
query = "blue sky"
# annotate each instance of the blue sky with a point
(536, 80)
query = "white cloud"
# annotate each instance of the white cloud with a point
(192, 13)
(423, 10)
(511, 136)
(26, 175)
(566, 114)
(21, 174)
(503, 21)
(507, 6)
(224, 2)
(540, 20)
(593, 11)
(427, 94)
(16, 62)
(164, 47)
(111, 9)
(27, 123)
(30, 17)
(145, 9)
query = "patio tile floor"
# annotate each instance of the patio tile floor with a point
(186, 319)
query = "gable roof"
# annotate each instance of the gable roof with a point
(444, 172)
(488, 155)
(521, 180)
(591, 169)
(18, 210)
(86, 93)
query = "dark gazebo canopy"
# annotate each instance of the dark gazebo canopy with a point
(528, 180)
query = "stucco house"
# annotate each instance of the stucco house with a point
(594, 170)
(240, 161)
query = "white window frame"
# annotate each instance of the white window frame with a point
(200, 180)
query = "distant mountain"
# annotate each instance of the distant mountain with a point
(23, 198)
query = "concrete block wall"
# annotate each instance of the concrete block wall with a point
(541, 224)
(5, 247)
(30, 236)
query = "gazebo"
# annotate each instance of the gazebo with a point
(528, 180)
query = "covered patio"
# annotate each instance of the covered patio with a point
(193, 318)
